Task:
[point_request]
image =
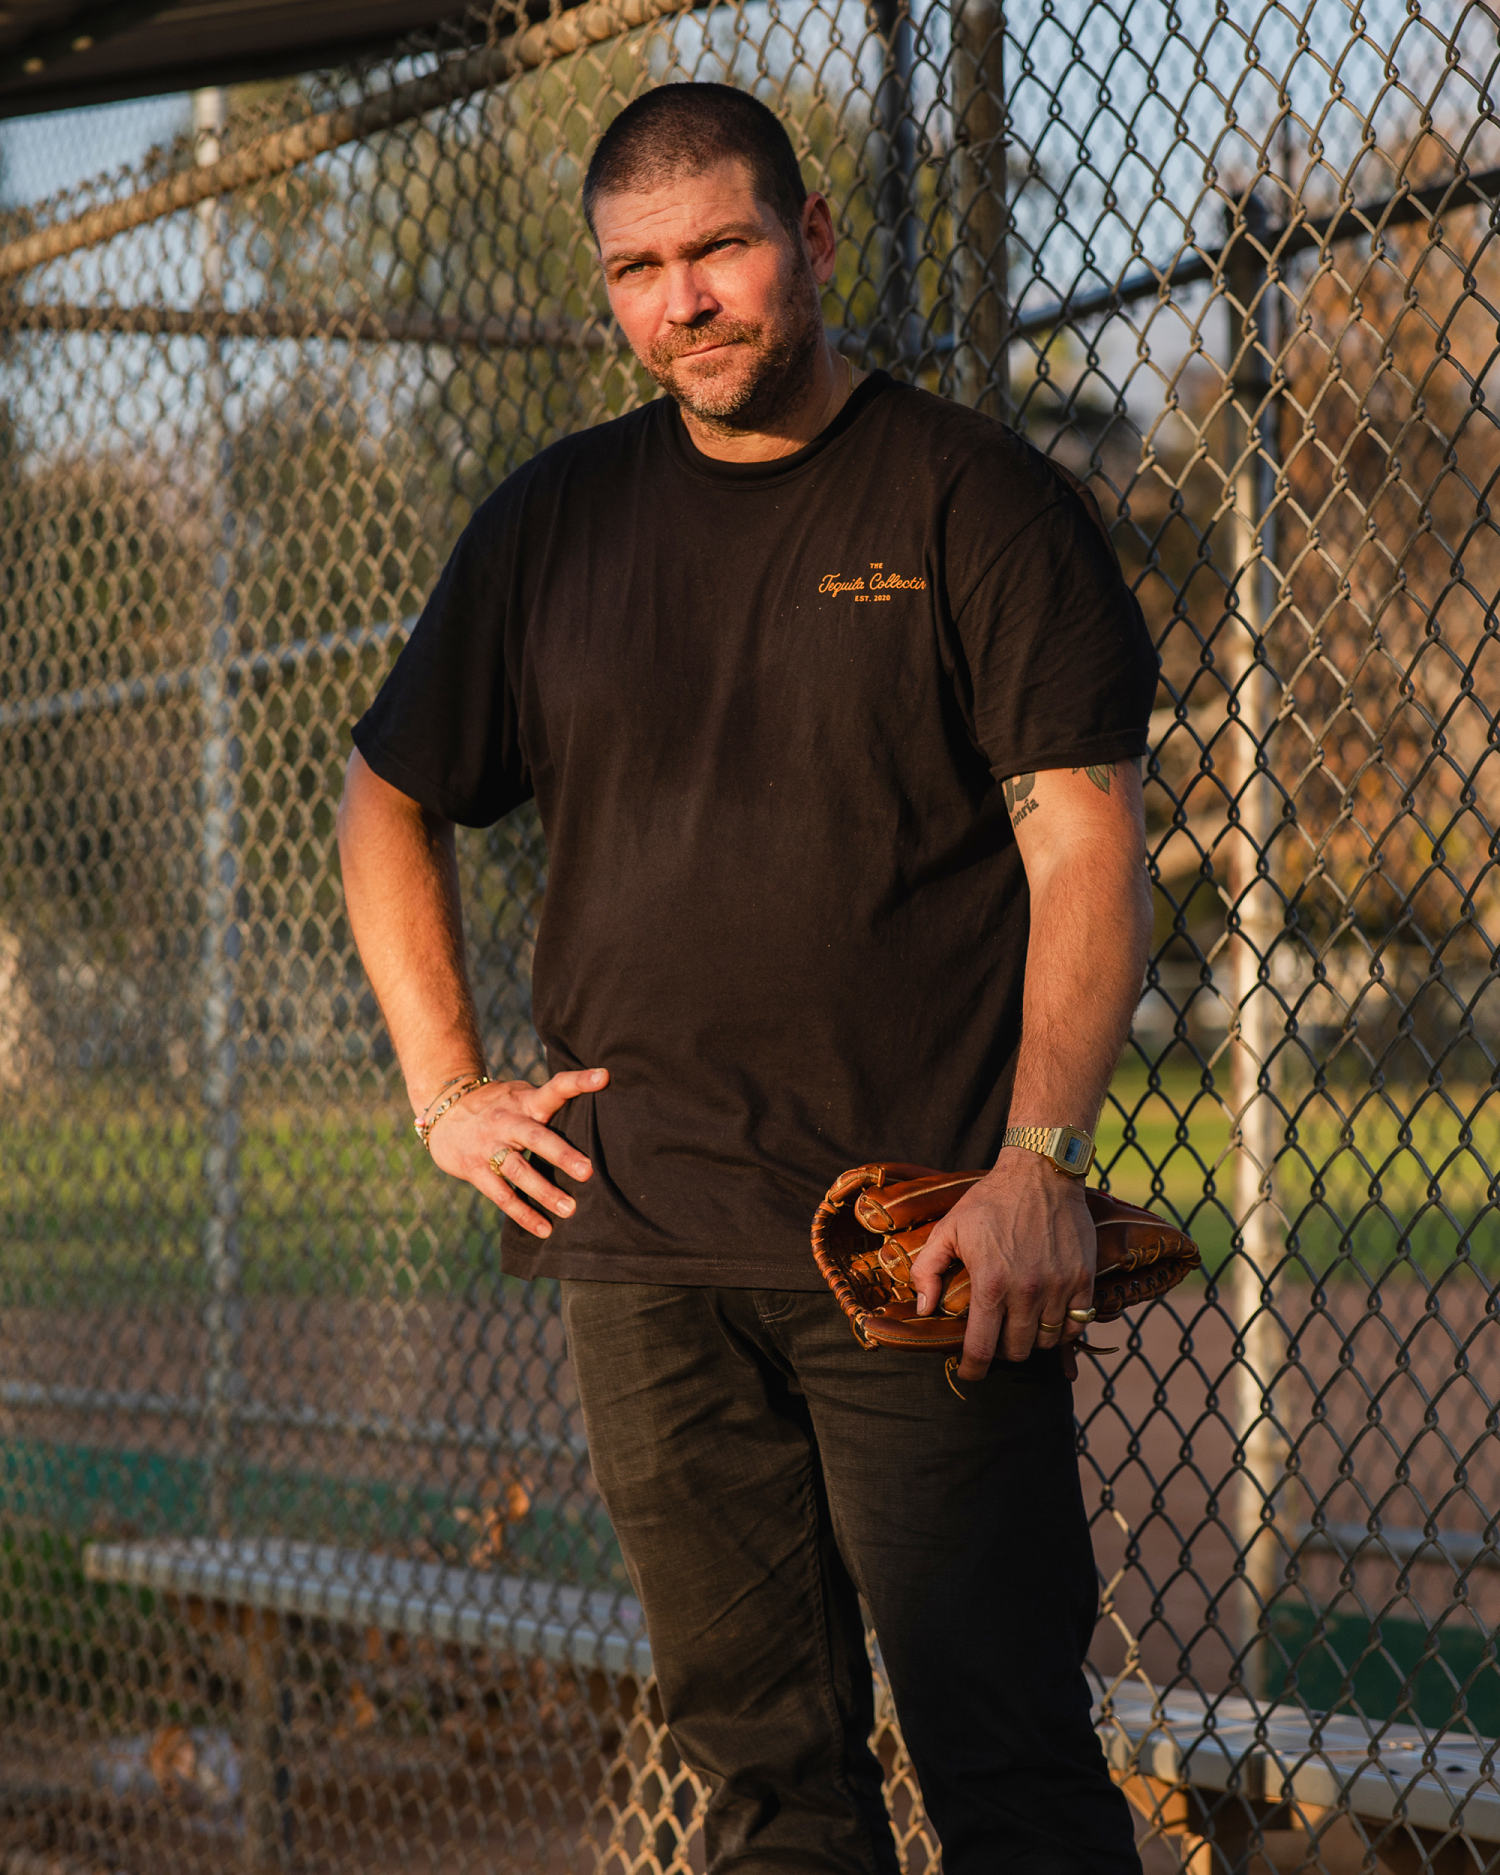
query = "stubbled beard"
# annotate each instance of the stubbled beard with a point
(734, 400)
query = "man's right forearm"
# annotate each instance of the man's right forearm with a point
(401, 889)
(401, 885)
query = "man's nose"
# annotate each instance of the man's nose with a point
(689, 297)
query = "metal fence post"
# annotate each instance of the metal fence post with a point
(1257, 1026)
(217, 689)
(899, 326)
(981, 210)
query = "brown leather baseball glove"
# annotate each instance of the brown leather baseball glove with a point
(877, 1217)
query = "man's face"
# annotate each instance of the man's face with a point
(717, 299)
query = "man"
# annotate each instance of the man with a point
(831, 697)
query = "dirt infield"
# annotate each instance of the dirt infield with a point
(1384, 1404)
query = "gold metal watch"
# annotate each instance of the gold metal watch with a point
(1066, 1147)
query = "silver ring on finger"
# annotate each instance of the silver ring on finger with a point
(497, 1160)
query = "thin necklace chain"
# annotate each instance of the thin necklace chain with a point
(848, 385)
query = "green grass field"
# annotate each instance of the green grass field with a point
(103, 1202)
(1363, 1185)
(333, 1200)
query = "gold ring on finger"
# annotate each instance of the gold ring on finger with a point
(1082, 1315)
(497, 1161)
(1050, 1328)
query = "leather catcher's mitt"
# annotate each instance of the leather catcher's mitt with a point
(877, 1217)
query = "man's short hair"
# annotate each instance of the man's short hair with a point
(690, 127)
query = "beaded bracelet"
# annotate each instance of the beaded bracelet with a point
(430, 1114)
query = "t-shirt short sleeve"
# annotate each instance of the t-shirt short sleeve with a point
(1061, 664)
(444, 725)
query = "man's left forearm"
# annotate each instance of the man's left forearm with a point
(1085, 963)
(1025, 1233)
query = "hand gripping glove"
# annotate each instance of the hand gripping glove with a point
(877, 1217)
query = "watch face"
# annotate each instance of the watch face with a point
(1074, 1152)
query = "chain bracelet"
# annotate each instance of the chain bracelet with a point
(430, 1115)
(453, 1080)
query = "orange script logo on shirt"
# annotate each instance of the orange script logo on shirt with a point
(875, 585)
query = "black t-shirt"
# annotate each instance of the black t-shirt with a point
(765, 710)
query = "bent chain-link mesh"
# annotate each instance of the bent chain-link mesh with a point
(302, 1563)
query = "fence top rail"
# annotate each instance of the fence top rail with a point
(452, 80)
(1278, 242)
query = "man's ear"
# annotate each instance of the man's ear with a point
(818, 237)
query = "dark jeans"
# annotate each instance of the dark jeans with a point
(763, 1471)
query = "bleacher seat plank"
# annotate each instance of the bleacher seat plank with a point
(1380, 1772)
(397, 1594)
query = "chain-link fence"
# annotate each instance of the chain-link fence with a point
(302, 1567)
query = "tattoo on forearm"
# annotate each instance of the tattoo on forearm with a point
(1019, 799)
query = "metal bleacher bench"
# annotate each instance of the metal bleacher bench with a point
(1214, 1774)
(1209, 1774)
(250, 1586)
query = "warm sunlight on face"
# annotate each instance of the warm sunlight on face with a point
(717, 299)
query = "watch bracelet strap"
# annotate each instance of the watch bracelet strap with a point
(1041, 1139)
(1033, 1138)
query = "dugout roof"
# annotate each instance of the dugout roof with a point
(55, 53)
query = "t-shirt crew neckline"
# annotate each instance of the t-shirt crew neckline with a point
(781, 468)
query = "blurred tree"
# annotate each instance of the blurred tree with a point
(1386, 562)
(1387, 631)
